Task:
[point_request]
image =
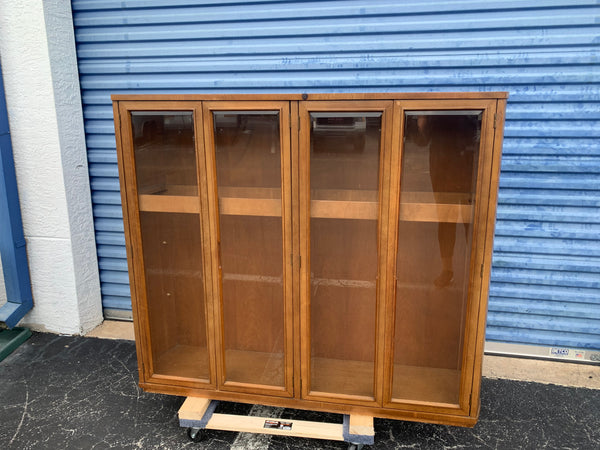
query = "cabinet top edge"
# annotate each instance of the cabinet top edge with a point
(315, 96)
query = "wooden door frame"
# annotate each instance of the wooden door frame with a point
(283, 109)
(471, 334)
(346, 105)
(133, 241)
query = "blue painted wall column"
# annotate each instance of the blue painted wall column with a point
(12, 240)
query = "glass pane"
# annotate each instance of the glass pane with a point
(344, 183)
(175, 294)
(248, 161)
(439, 167)
(164, 152)
(166, 164)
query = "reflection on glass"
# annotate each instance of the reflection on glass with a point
(436, 209)
(165, 157)
(344, 183)
(248, 162)
(166, 164)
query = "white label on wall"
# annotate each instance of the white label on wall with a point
(567, 353)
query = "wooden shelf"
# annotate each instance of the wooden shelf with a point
(254, 367)
(344, 204)
(324, 204)
(169, 203)
(189, 361)
(411, 383)
(335, 282)
(340, 376)
(171, 198)
(425, 384)
(264, 202)
(435, 207)
(185, 361)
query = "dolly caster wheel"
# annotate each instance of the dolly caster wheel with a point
(195, 434)
(355, 446)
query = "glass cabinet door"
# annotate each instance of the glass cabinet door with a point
(438, 180)
(251, 165)
(166, 174)
(341, 150)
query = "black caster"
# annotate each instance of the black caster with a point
(355, 446)
(195, 434)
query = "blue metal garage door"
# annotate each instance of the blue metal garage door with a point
(546, 275)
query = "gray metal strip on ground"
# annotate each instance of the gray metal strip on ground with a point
(589, 356)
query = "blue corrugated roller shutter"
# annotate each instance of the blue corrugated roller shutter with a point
(546, 276)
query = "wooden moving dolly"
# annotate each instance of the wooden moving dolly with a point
(198, 414)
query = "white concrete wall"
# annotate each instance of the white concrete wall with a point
(39, 67)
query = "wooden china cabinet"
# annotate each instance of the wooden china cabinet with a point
(317, 251)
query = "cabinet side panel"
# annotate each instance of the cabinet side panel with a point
(140, 342)
(495, 148)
